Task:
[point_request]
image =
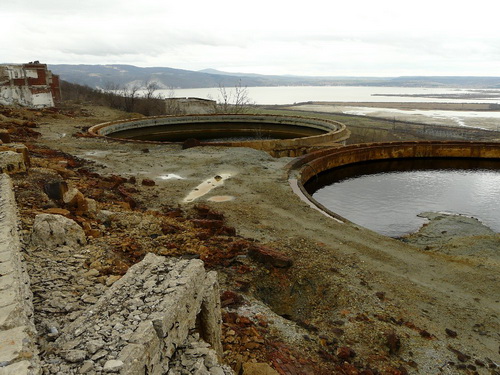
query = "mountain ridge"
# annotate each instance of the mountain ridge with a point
(123, 75)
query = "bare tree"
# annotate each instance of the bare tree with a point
(110, 91)
(233, 101)
(130, 95)
(150, 88)
(172, 106)
(151, 103)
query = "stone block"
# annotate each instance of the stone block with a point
(55, 189)
(11, 162)
(55, 230)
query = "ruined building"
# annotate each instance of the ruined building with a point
(189, 105)
(30, 85)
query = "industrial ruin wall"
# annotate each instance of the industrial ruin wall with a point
(29, 85)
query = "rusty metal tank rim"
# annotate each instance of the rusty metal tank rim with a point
(333, 131)
(304, 168)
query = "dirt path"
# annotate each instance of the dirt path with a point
(372, 301)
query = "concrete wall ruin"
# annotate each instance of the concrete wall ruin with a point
(29, 85)
(190, 105)
(18, 353)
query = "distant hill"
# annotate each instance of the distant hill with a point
(108, 76)
(102, 76)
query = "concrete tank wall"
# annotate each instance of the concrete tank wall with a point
(334, 132)
(320, 161)
(307, 166)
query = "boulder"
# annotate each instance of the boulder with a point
(75, 199)
(56, 230)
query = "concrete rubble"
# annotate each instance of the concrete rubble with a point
(162, 316)
(140, 321)
(196, 356)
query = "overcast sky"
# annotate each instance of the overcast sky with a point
(335, 38)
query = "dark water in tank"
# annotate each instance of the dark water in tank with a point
(387, 196)
(229, 131)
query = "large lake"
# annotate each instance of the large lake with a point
(300, 94)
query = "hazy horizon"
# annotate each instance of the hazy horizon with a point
(270, 74)
(360, 39)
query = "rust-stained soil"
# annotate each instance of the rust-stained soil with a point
(305, 293)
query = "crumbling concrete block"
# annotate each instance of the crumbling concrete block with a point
(11, 162)
(196, 357)
(18, 354)
(144, 317)
(14, 158)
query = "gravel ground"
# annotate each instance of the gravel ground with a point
(361, 300)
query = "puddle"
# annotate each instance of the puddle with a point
(206, 186)
(221, 198)
(96, 153)
(170, 176)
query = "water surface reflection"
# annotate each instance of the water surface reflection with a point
(387, 196)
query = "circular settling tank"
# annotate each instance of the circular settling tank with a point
(263, 132)
(387, 187)
(391, 197)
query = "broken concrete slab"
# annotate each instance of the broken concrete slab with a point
(144, 317)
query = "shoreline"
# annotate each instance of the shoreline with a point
(411, 105)
(437, 115)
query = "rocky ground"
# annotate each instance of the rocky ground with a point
(300, 292)
(457, 236)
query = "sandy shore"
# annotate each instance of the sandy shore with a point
(412, 105)
(475, 115)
